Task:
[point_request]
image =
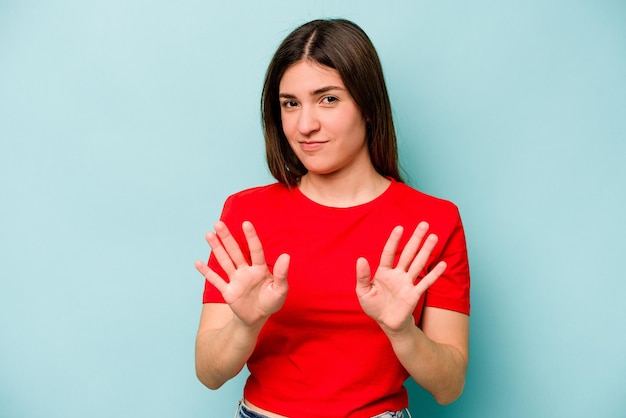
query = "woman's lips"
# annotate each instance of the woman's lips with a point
(312, 145)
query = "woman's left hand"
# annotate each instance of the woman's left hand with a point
(390, 297)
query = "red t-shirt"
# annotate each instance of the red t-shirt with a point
(321, 355)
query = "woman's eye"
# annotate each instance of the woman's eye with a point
(289, 103)
(329, 99)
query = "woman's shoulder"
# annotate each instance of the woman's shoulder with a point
(257, 197)
(260, 192)
(412, 204)
(254, 202)
(412, 196)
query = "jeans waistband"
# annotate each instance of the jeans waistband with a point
(244, 412)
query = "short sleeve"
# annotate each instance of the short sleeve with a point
(211, 294)
(452, 290)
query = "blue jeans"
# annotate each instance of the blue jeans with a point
(245, 412)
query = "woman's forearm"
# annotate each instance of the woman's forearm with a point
(439, 368)
(222, 353)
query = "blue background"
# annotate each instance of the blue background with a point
(125, 124)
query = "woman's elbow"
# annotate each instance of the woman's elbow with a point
(450, 395)
(209, 381)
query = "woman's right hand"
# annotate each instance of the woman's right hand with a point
(253, 292)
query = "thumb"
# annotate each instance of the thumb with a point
(281, 267)
(363, 275)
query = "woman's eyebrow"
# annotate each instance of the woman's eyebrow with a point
(326, 90)
(317, 92)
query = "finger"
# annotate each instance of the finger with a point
(254, 244)
(281, 268)
(411, 247)
(363, 276)
(220, 253)
(213, 278)
(419, 262)
(230, 244)
(389, 250)
(431, 277)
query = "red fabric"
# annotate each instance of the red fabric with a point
(320, 355)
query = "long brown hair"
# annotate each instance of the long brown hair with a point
(345, 47)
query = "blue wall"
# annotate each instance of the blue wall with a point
(125, 124)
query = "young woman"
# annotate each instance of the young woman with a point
(339, 281)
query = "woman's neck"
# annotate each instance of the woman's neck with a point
(341, 190)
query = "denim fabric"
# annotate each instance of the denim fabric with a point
(397, 414)
(245, 412)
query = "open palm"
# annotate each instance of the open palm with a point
(390, 297)
(252, 292)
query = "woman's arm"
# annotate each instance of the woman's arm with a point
(228, 332)
(435, 356)
(223, 344)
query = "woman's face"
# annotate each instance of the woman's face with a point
(324, 126)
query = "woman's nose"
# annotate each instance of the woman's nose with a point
(308, 121)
